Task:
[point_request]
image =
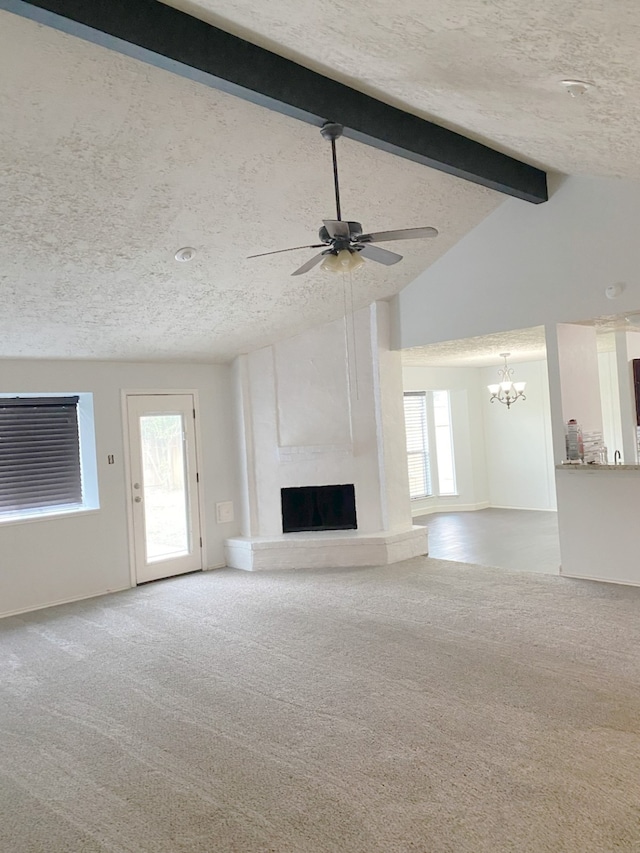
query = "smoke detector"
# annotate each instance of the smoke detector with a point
(185, 254)
(575, 88)
(612, 291)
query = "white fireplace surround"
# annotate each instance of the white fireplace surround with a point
(305, 419)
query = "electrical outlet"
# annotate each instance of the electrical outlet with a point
(224, 512)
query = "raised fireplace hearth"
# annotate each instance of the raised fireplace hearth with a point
(319, 409)
(309, 508)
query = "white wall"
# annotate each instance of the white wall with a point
(628, 349)
(610, 397)
(633, 344)
(389, 408)
(468, 434)
(518, 442)
(598, 523)
(618, 396)
(529, 265)
(540, 265)
(60, 559)
(579, 376)
(305, 421)
(503, 457)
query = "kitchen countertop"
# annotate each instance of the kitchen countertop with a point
(596, 467)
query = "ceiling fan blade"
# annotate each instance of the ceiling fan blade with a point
(279, 251)
(310, 264)
(402, 234)
(380, 256)
(336, 228)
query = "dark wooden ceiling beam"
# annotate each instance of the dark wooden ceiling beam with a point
(152, 32)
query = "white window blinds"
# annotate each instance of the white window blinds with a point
(39, 453)
(415, 416)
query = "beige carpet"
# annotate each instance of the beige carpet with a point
(428, 706)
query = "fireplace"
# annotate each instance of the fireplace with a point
(319, 508)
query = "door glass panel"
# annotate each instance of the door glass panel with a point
(165, 498)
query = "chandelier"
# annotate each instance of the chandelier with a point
(506, 391)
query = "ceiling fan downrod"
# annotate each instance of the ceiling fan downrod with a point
(331, 130)
(346, 241)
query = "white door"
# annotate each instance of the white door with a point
(164, 485)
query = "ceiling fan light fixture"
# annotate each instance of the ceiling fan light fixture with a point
(349, 260)
(342, 261)
(330, 263)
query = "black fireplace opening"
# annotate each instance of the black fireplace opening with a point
(319, 508)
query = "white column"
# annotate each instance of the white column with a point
(555, 394)
(579, 375)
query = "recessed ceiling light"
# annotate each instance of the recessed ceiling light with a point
(188, 253)
(575, 88)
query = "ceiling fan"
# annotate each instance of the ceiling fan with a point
(343, 243)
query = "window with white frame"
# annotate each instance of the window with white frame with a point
(47, 455)
(430, 453)
(444, 442)
(415, 418)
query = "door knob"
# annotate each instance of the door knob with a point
(136, 485)
(137, 499)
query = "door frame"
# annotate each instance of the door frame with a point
(162, 392)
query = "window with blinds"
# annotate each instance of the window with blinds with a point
(415, 416)
(39, 454)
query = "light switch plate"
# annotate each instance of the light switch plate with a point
(224, 512)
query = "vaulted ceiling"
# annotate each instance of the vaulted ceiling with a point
(110, 165)
(489, 69)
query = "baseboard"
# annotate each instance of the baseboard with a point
(83, 597)
(61, 601)
(523, 508)
(417, 511)
(597, 580)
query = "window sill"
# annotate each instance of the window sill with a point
(9, 520)
(436, 497)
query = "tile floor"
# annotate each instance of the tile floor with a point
(524, 540)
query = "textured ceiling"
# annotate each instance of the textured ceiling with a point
(109, 166)
(522, 344)
(483, 351)
(606, 328)
(491, 69)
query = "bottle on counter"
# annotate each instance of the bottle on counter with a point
(574, 442)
